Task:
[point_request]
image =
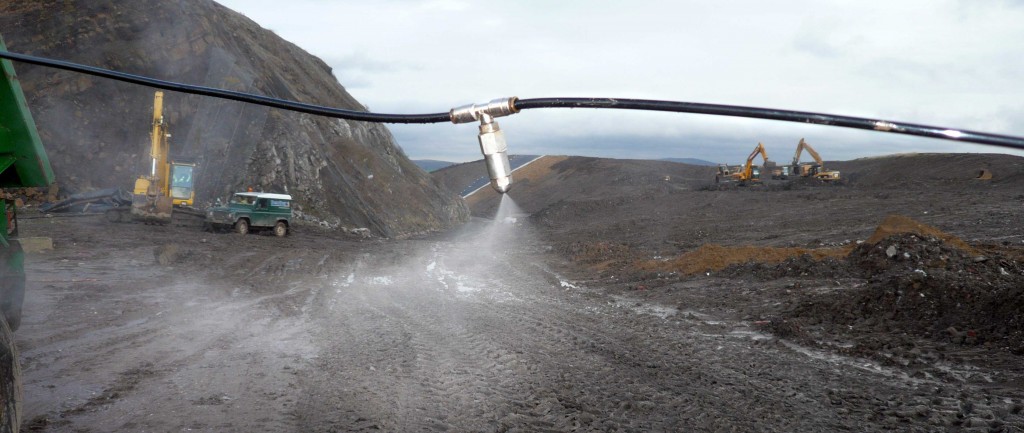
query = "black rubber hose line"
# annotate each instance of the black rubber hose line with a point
(230, 94)
(937, 132)
(776, 114)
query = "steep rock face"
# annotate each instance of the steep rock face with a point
(96, 131)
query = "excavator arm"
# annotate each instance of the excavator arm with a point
(748, 168)
(150, 199)
(814, 154)
(818, 170)
(159, 135)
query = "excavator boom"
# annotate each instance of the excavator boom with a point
(817, 170)
(801, 147)
(748, 175)
(150, 199)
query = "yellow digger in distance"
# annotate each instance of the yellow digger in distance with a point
(751, 172)
(817, 169)
(748, 172)
(168, 184)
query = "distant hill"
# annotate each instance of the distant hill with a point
(429, 165)
(459, 176)
(691, 161)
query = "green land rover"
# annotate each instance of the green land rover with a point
(253, 210)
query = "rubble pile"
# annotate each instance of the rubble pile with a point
(907, 279)
(923, 285)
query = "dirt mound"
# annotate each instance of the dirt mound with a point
(896, 224)
(775, 262)
(96, 131)
(931, 289)
(718, 257)
(919, 281)
(908, 281)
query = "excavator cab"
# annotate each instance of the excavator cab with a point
(182, 192)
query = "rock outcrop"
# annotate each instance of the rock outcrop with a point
(95, 130)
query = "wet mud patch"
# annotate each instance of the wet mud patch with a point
(125, 383)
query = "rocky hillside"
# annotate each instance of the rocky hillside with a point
(96, 131)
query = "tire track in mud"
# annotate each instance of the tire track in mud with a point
(445, 373)
(439, 348)
(155, 340)
(829, 390)
(624, 385)
(724, 392)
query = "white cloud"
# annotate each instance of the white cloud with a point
(949, 63)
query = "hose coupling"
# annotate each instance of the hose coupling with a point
(496, 108)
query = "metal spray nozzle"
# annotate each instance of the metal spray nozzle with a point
(495, 150)
(492, 139)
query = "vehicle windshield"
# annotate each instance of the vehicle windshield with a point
(181, 181)
(181, 176)
(242, 199)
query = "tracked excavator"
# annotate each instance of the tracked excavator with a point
(23, 163)
(168, 185)
(752, 173)
(815, 170)
(748, 172)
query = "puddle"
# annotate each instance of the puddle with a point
(659, 311)
(753, 335)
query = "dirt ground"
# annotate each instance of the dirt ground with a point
(566, 317)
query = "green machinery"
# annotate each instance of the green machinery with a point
(23, 163)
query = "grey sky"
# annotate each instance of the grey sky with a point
(939, 62)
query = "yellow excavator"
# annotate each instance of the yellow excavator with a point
(168, 184)
(748, 172)
(817, 169)
(751, 172)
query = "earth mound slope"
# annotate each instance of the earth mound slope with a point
(922, 281)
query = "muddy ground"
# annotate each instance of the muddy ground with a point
(568, 319)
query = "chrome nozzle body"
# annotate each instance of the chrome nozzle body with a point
(495, 150)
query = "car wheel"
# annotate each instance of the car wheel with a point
(242, 227)
(280, 229)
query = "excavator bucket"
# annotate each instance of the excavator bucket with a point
(149, 209)
(984, 175)
(149, 204)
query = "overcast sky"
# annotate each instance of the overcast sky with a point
(945, 63)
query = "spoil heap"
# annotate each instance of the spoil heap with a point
(923, 282)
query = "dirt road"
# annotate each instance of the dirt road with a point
(469, 332)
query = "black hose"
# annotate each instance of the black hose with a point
(775, 114)
(232, 95)
(526, 104)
